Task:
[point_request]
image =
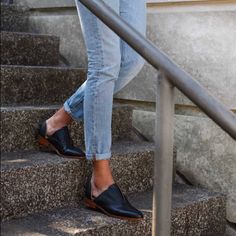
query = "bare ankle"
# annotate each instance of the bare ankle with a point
(50, 127)
(97, 189)
(101, 176)
(60, 119)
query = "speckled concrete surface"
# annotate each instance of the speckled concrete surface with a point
(14, 18)
(206, 155)
(39, 181)
(29, 49)
(195, 212)
(230, 230)
(34, 85)
(23, 122)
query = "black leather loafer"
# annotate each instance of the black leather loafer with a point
(112, 202)
(60, 142)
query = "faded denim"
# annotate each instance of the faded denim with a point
(112, 64)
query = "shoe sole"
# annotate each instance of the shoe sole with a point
(90, 204)
(45, 143)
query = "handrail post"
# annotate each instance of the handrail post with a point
(163, 163)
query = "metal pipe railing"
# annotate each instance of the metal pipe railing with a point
(171, 74)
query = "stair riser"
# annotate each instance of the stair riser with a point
(185, 222)
(28, 49)
(201, 217)
(37, 189)
(19, 127)
(14, 19)
(195, 212)
(38, 86)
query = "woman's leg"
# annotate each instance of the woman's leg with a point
(134, 12)
(131, 63)
(104, 59)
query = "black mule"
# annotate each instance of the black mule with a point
(60, 142)
(112, 202)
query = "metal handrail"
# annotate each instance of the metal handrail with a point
(171, 76)
(179, 78)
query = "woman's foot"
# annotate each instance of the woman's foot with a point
(102, 193)
(54, 134)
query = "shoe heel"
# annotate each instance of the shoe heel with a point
(90, 203)
(43, 142)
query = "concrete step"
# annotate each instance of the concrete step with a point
(29, 49)
(19, 126)
(230, 229)
(37, 85)
(14, 18)
(34, 181)
(195, 212)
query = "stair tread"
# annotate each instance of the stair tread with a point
(30, 34)
(41, 67)
(26, 159)
(80, 220)
(45, 107)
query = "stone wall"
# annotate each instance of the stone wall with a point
(200, 36)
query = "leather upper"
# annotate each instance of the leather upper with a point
(114, 201)
(61, 140)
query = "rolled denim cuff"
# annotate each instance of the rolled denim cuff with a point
(68, 110)
(98, 156)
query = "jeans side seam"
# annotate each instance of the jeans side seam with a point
(100, 46)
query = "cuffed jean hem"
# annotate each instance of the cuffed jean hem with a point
(68, 110)
(98, 156)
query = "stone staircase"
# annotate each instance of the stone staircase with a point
(41, 193)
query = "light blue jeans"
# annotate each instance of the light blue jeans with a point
(112, 64)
